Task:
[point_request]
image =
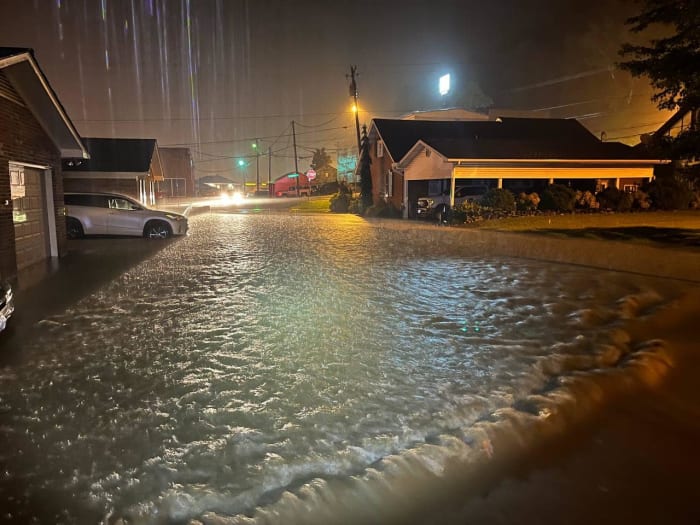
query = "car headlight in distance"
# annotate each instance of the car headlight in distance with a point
(173, 217)
(237, 198)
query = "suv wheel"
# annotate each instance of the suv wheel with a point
(74, 230)
(157, 230)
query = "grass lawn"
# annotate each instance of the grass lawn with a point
(665, 219)
(681, 228)
(319, 204)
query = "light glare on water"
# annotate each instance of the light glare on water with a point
(261, 353)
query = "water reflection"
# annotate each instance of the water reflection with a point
(262, 352)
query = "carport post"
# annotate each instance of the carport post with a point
(405, 198)
(452, 188)
(500, 184)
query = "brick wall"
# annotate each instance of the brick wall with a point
(22, 139)
(177, 164)
(379, 168)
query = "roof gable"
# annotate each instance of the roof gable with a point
(22, 71)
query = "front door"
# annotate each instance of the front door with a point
(29, 215)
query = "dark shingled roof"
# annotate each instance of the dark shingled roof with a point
(12, 51)
(509, 138)
(119, 155)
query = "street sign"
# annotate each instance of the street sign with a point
(311, 174)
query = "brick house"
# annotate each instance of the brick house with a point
(128, 166)
(414, 158)
(35, 132)
(178, 171)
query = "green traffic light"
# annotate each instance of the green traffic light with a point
(241, 162)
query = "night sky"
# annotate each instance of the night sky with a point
(214, 75)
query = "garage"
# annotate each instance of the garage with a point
(35, 133)
(29, 215)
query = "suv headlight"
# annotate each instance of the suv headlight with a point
(174, 217)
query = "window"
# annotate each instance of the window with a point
(78, 199)
(380, 148)
(117, 203)
(630, 188)
(389, 183)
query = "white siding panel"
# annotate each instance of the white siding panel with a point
(428, 167)
(510, 172)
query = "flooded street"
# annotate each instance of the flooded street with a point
(265, 358)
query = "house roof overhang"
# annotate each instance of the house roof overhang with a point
(582, 162)
(22, 70)
(421, 146)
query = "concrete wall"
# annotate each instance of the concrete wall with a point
(23, 140)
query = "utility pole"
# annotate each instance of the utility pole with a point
(296, 164)
(269, 169)
(257, 166)
(356, 108)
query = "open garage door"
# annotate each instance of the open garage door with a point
(29, 215)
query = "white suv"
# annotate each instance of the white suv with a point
(116, 214)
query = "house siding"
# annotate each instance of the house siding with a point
(23, 140)
(128, 187)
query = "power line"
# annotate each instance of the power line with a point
(249, 139)
(189, 119)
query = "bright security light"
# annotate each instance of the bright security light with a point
(444, 84)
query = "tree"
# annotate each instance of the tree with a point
(320, 160)
(365, 171)
(671, 62)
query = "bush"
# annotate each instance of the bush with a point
(528, 201)
(466, 211)
(498, 199)
(340, 203)
(609, 198)
(558, 198)
(586, 200)
(383, 210)
(641, 200)
(670, 193)
(613, 199)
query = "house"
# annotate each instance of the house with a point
(290, 185)
(128, 166)
(413, 158)
(35, 132)
(214, 185)
(178, 172)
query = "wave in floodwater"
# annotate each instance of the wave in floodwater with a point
(276, 369)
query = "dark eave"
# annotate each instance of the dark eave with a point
(22, 71)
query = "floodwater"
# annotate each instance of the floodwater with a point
(297, 369)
